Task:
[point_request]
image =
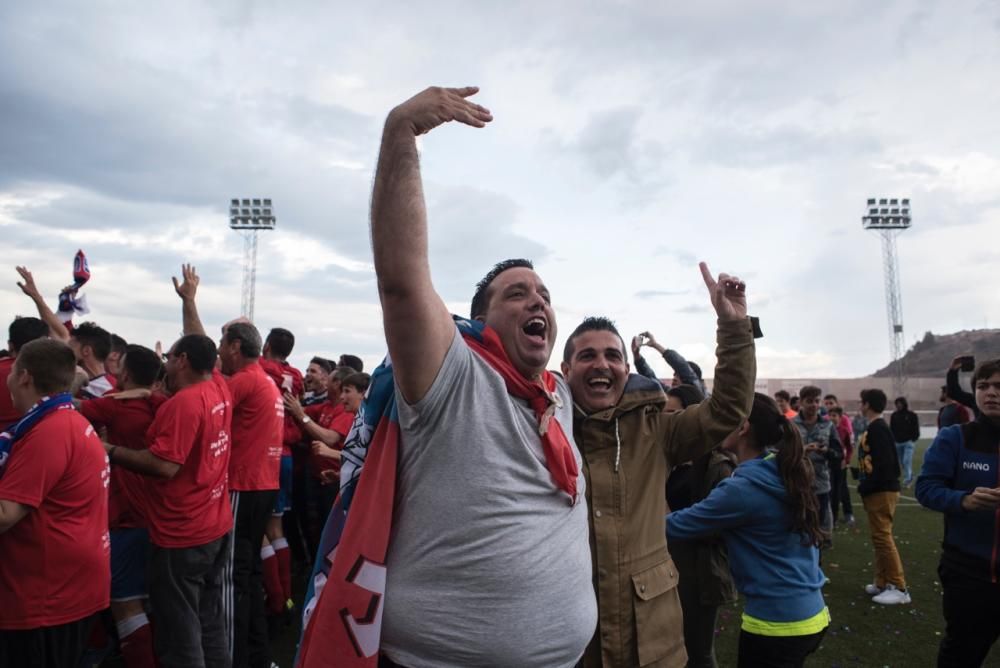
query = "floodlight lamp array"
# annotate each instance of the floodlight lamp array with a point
(251, 214)
(886, 214)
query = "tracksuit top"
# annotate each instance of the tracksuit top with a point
(962, 458)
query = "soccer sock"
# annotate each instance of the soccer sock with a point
(272, 581)
(284, 565)
(135, 637)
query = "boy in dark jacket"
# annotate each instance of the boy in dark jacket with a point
(878, 485)
(906, 431)
(959, 479)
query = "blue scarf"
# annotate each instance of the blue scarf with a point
(30, 419)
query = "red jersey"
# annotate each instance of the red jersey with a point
(192, 429)
(56, 563)
(98, 386)
(8, 414)
(288, 379)
(127, 421)
(335, 418)
(258, 427)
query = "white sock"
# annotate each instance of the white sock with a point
(279, 544)
(266, 552)
(127, 627)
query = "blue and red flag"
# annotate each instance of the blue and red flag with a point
(70, 303)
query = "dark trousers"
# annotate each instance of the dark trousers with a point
(839, 494)
(319, 499)
(776, 651)
(699, 634)
(46, 647)
(186, 596)
(972, 618)
(251, 511)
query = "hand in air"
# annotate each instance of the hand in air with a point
(435, 106)
(728, 293)
(189, 287)
(28, 285)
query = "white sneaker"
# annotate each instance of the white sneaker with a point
(892, 596)
(873, 590)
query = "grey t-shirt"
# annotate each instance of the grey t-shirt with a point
(489, 564)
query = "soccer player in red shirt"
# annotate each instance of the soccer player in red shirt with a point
(258, 426)
(186, 506)
(127, 417)
(55, 572)
(22, 330)
(92, 345)
(276, 561)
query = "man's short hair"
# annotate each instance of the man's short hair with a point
(832, 397)
(281, 342)
(118, 344)
(836, 409)
(342, 373)
(322, 363)
(783, 395)
(481, 298)
(592, 324)
(247, 335)
(50, 363)
(985, 371)
(689, 395)
(143, 365)
(93, 335)
(23, 330)
(875, 398)
(200, 351)
(352, 361)
(809, 392)
(359, 381)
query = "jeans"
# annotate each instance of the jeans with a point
(972, 618)
(905, 452)
(840, 496)
(881, 507)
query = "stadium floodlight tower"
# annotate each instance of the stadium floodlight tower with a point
(890, 217)
(248, 217)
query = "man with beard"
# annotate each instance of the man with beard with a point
(629, 446)
(489, 486)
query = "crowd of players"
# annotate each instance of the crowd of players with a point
(529, 513)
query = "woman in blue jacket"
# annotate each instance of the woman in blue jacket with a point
(768, 516)
(961, 478)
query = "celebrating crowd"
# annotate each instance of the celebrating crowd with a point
(463, 505)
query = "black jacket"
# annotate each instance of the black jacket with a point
(905, 425)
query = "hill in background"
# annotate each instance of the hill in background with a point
(931, 356)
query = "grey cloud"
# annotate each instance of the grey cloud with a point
(782, 145)
(680, 255)
(693, 308)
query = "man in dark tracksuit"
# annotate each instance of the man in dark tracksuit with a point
(960, 478)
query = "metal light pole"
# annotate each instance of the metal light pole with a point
(248, 217)
(889, 217)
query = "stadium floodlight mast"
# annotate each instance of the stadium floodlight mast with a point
(248, 217)
(889, 217)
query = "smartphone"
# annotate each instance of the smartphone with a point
(968, 363)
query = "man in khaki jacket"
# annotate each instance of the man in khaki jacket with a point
(629, 447)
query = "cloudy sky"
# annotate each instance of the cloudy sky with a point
(631, 139)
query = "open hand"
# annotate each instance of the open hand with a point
(28, 285)
(435, 106)
(189, 288)
(728, 293)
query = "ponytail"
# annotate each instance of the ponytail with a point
(771, 429)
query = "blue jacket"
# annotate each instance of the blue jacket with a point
(779, 576)
(962, 458)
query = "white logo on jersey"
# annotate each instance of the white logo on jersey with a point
(975, 466)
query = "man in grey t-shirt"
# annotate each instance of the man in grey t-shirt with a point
(489, 561)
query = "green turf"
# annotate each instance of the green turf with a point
(864, 633)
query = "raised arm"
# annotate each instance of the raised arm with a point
(57, 330)
(641, 365)
(418, 327)
(186, 290)
(692, 432)
(675, 360)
